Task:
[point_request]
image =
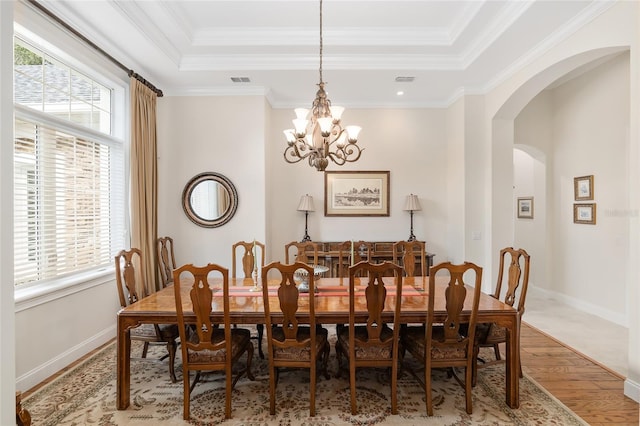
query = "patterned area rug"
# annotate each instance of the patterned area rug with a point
(85, 395)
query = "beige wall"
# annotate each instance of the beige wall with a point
(582, 128)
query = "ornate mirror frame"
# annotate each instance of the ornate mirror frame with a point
(230, 199)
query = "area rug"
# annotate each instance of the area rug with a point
(86, 394)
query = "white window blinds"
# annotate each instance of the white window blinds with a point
(68, 198)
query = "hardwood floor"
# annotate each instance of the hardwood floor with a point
(589, 389)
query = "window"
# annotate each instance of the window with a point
(69, 185)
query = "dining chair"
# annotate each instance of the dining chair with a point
(294, 339)
(249, 256)
(306, 252)
(443, 344)
(514, 272)
(405, 252)
(166, 260)
(129, 274)
(352, 252)
(208, 345)
(250, 252)
(371, 343)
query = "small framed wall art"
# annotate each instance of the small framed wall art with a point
(356, 193)
(584, 213)
(525, 208)
(583, 188)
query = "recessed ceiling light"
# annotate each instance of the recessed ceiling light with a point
(399, 93)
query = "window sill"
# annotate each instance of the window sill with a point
(45, 292)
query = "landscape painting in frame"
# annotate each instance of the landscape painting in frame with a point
(356, 193)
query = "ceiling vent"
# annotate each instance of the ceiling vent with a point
(240, 79)
(404, 79)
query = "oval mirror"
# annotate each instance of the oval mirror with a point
(209, 200)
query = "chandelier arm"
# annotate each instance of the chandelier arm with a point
(296, 154)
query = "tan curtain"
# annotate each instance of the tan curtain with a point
(144, 181)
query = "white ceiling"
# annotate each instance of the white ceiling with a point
(450, 47)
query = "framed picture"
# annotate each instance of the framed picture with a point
(584, 213)
(525, 208)
(356, 193)
(583, 188)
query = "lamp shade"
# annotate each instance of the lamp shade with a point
(306, 203)
(412, 204)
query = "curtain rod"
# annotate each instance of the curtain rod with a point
(68, 27)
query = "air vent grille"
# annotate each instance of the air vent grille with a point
(240, 79)
(405, 79)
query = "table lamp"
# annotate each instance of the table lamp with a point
(306, 206)
(411, 205)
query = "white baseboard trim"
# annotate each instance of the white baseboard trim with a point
(614, 317)
(632, 390)
(42, 372)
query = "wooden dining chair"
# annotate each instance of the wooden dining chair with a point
(439, 344)
(352, 252)
(294, 338)
(166, 260)
(128, 272)
(513, 275)
(250, 252)
(405, 252)
(371, 343)
(208, 345)
(306, 252)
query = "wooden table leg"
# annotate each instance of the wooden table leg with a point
(513, 363)
(123, 381)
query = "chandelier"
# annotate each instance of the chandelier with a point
(318, 135)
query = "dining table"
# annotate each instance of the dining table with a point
(331, 307)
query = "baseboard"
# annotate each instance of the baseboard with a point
(606, 314)
(632, 390)
(51, 367)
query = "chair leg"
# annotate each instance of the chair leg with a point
(272, 389)
(171, 348)
(394, 389)
(260, 329)
(427, 391)
(227, 398)
(352, 385)
(496, 350)
(467, 386)
(312, 390)
(145, 348)
(186, 394)
(249, 360)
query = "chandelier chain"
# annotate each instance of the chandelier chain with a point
(321, 80)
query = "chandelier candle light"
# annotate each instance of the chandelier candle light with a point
(320, 130)
(412, 205)
(306, 206)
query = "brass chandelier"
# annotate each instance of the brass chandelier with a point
(319, 131)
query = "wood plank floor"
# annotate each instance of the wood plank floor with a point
(590, 390)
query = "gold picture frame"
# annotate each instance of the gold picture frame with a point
(584, 213)
(525, 207)
(583, 188)
(356, 193)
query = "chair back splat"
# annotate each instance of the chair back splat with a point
(405, 252)
(166, 260)
(252, 255)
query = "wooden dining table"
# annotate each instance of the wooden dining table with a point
(331, 307)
